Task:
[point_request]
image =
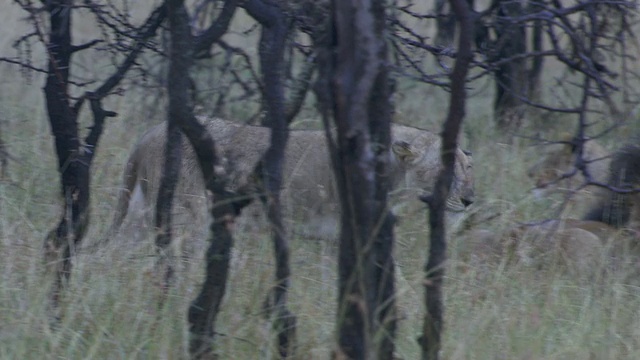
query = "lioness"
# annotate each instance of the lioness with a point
(559, 160)
(579, 246)
(309, 191)
(608, 230)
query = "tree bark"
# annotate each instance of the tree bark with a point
(275, 29)
(511, 77)
(74, 172)
(431, 339)
(204, 309)
(4, 158)
(74, 156)
(166, 192)
(445, 24)
(366, 320)
(534, 74)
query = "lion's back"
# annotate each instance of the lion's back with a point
(242, 146)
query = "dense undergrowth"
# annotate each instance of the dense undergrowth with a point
(496, 307)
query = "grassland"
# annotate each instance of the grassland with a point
(496, 308)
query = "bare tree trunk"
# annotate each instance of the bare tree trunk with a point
(166, 192)
(383, 242)
(511, 77)
(535, 72)
(431, 339)
(179, 114)
(275, 29)
(74, 156)
(204, 309)
(4, 156)
(445, 24)
(366, 320)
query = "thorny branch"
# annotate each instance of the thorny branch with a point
(577, 36)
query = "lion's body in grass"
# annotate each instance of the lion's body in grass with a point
(609, 229)
(557, 161)
(309, 191)
(620, 169)
(573, 245)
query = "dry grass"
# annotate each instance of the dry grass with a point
(495, 308)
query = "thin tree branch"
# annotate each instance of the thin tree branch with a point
(218, 28)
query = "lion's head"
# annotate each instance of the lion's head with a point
(421, 160)
(551, 172)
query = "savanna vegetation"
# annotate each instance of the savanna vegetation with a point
(540, 73)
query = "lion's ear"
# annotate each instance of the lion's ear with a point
(403, 151)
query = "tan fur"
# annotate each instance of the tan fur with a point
(579, 246)
(609, 230)
(568, 245)
(308, 187)
(558, 160)
(620, 169)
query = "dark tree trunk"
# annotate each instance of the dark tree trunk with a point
(179, 113)
(535, 72)
(360, 96)
(431, 339)
(74, 172)
(275, 29)
(74, 156)
(445, 24)
(511, 77)
(204, 309)
(4, 157)
(166, 191)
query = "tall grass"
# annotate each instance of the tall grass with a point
(496, 308)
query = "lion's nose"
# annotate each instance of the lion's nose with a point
(466, 202)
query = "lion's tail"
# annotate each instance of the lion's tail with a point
(130, 178)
